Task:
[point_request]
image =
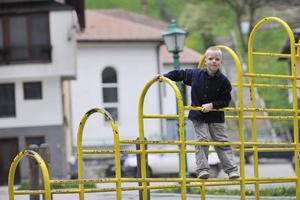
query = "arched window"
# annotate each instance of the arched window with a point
(110, 91)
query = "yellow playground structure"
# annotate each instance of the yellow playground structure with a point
(183, 182)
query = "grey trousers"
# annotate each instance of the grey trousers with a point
(217, 132)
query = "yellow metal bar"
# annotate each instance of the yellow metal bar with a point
(295, 63)
(149, 142)
(250, 117)
(181, 131)
(251, 75)
(116, 149)
(202, 190)
(258, 85)
(142, 136)
(278, 55)
(42, 165)
(240, 104)
(230, 109)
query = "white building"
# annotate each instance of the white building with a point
(118, 53)
(37, 57)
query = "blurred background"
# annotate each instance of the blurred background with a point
(61, 58)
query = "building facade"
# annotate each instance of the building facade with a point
(37, 58)
(118, 53)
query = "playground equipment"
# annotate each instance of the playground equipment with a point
(184, 182)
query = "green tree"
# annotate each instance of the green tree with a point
(195, 18)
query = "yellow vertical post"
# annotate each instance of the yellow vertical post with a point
(182, 143)
(142, 138)
(79, 154)
(238, 65)
(117, 160)
(253, 105)
(296, 134)
(43, 167)
(203, 193)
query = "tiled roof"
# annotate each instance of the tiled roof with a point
(187, 56)
(120, 25)
(108, 25)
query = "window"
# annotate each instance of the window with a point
(7, 100)
(32, 90)
(34, 140)
(110, 91)
(24, 38)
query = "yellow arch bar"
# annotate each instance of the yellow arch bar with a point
(43, 167)
(238, 65)
(116, 150)
(294, 90)
(181, 132)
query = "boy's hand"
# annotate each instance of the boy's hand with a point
(157, 76)
(207, 107)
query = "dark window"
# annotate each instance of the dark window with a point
(110, 91)
(110, 94)
(109, 75)
(24, 38)
(113, 112)
(32, 90)
(109, 82)
(34, 140)
(7, 100)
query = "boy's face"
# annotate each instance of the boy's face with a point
(213, 61)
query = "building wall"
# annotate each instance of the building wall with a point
(62, 35)
(136, 64)
(44, 117)
(38, 112)
(54, 135)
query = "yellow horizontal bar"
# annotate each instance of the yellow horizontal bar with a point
(251, 143)
(83, 181)
(160, 116)
(261, 117)
(259, 85)
(279, 55)
(153, 142)
(268, 76)
(110, 151)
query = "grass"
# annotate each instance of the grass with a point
(278, 191)
(25, 186)
(272, 40)
(134, 6)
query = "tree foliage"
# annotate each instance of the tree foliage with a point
(196, 18)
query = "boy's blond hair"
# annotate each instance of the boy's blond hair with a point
(215, 49)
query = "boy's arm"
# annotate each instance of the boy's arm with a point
(224, 97)
(180, 75)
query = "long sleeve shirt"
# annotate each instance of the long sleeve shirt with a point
(205, 89)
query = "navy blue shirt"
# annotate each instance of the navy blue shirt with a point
(205, 89)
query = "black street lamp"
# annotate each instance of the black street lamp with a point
(174, 40)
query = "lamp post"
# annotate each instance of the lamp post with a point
(174, 40)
